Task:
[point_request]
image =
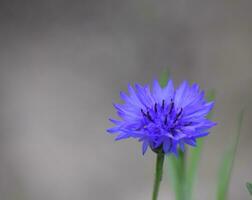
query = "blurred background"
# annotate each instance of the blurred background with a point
(63, 63)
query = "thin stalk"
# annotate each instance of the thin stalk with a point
(158, 174)
(183, 176)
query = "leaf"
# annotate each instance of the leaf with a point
(249, 186)
(227, 163)
(176, 173)
(164, 78)
(195, 154)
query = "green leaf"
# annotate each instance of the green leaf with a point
(164, 78)
(227, 162)
(249, 186)
(176, 172)
(194, 156)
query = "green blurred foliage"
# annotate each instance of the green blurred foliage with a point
(249, 186)
(227, 163)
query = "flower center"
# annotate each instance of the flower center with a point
(162, 115)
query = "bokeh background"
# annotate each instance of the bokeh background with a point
(63, 63)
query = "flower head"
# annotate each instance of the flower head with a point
(163, 118)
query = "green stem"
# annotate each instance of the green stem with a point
(158, 174)
(183, 176)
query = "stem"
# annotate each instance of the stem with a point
(158, 174)
(183, 175)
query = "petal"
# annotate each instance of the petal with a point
(157, 92)
(167, 146)
(113, 129)
(145, 146)
(182, 146)
(168, 91)
(180, 93)
(202, 111)
(174, 148)
(122, 136)
(133, 97)
(191, 142)
(160, 94)
(115, 121)
(144, 95)
(198, 135)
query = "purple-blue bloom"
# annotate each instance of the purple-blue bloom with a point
(163, 117)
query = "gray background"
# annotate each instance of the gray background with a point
(63, 63)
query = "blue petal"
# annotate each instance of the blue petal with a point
(144, 95)
(157, 92)
(145, 146)
(115, 121)
(133, 97)
(122, 136)
(167, 146)
(191, 142)
(200, 112)
(198, 135)
(174, 148)
(180, 93)
(113, 129)
(182, 146)
(161, 94)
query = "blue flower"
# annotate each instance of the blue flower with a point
(163, 118)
